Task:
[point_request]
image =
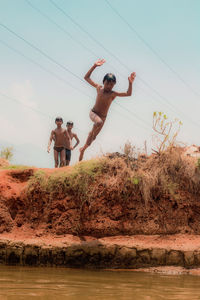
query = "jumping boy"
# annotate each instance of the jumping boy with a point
(59, 135)
(72, 135)
(105, 96)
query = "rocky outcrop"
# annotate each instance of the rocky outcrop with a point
(119, 252)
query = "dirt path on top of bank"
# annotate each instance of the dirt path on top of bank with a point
(179, 242)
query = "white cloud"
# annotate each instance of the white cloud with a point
(24, 93)
(10, 132)
(21, 124)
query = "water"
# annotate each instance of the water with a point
(17, 283)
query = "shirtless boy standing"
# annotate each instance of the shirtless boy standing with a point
(59, 135)
(72, 135)
(105, 96)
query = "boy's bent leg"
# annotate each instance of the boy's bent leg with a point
(97, 130)
(91, 137)
(98, 124)
(87, 144)
(93, 134)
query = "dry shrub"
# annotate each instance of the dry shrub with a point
(147, 179)
(167, 173)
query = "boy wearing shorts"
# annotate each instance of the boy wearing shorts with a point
(72, 135)
(105, 96)
(59, 135)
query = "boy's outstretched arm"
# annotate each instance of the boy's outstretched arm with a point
(52, 136)
(131, 78)
(98, 63)
(77, 141)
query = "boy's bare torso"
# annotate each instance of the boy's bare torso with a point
(67, 141)
(60, 136)
(103, 102)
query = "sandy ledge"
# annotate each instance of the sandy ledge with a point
(118, 252)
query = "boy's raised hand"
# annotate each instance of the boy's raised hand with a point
(99, 62)
(131, 78)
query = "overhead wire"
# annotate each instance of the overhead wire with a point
(55, 75)
(44, 68)
(66, 32)
(53, 60)
(172, 107)
(31, 108)
(147, 44)
(40, 51)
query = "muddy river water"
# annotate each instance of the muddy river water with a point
(17, 283)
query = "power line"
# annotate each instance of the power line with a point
(137, 117)
(87, 33)
(68, 34)
(172, 107)
(152, 49)
(72, 37)
(102, 46)
(51, 59)
(55, 75)
(31, 108)
(42, 113)
(113, 55)
(60, 27)
(66, 69)
(40, 51)
(44, 68)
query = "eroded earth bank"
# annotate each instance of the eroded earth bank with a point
(110, 212)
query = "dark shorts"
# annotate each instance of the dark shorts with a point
(58, 149)
(68, 154)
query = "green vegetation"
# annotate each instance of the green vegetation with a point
(135, 180)
(198, 163)
(37, 181)
(75, 181)
(144, 179)
(16, 167)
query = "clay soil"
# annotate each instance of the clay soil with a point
(167, 220)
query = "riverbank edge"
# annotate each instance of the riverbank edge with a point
(120, 252)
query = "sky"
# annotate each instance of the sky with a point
(47, 47)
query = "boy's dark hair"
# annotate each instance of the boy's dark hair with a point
(58, 119)
(69, 123)
(109, 77)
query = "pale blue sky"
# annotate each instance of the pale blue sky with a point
(171, 28)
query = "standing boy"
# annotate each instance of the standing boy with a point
(105, 96)
(59, 135)
(72, 135)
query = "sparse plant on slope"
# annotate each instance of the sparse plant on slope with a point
(130, 152)
(166, 131)
(7, 153)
